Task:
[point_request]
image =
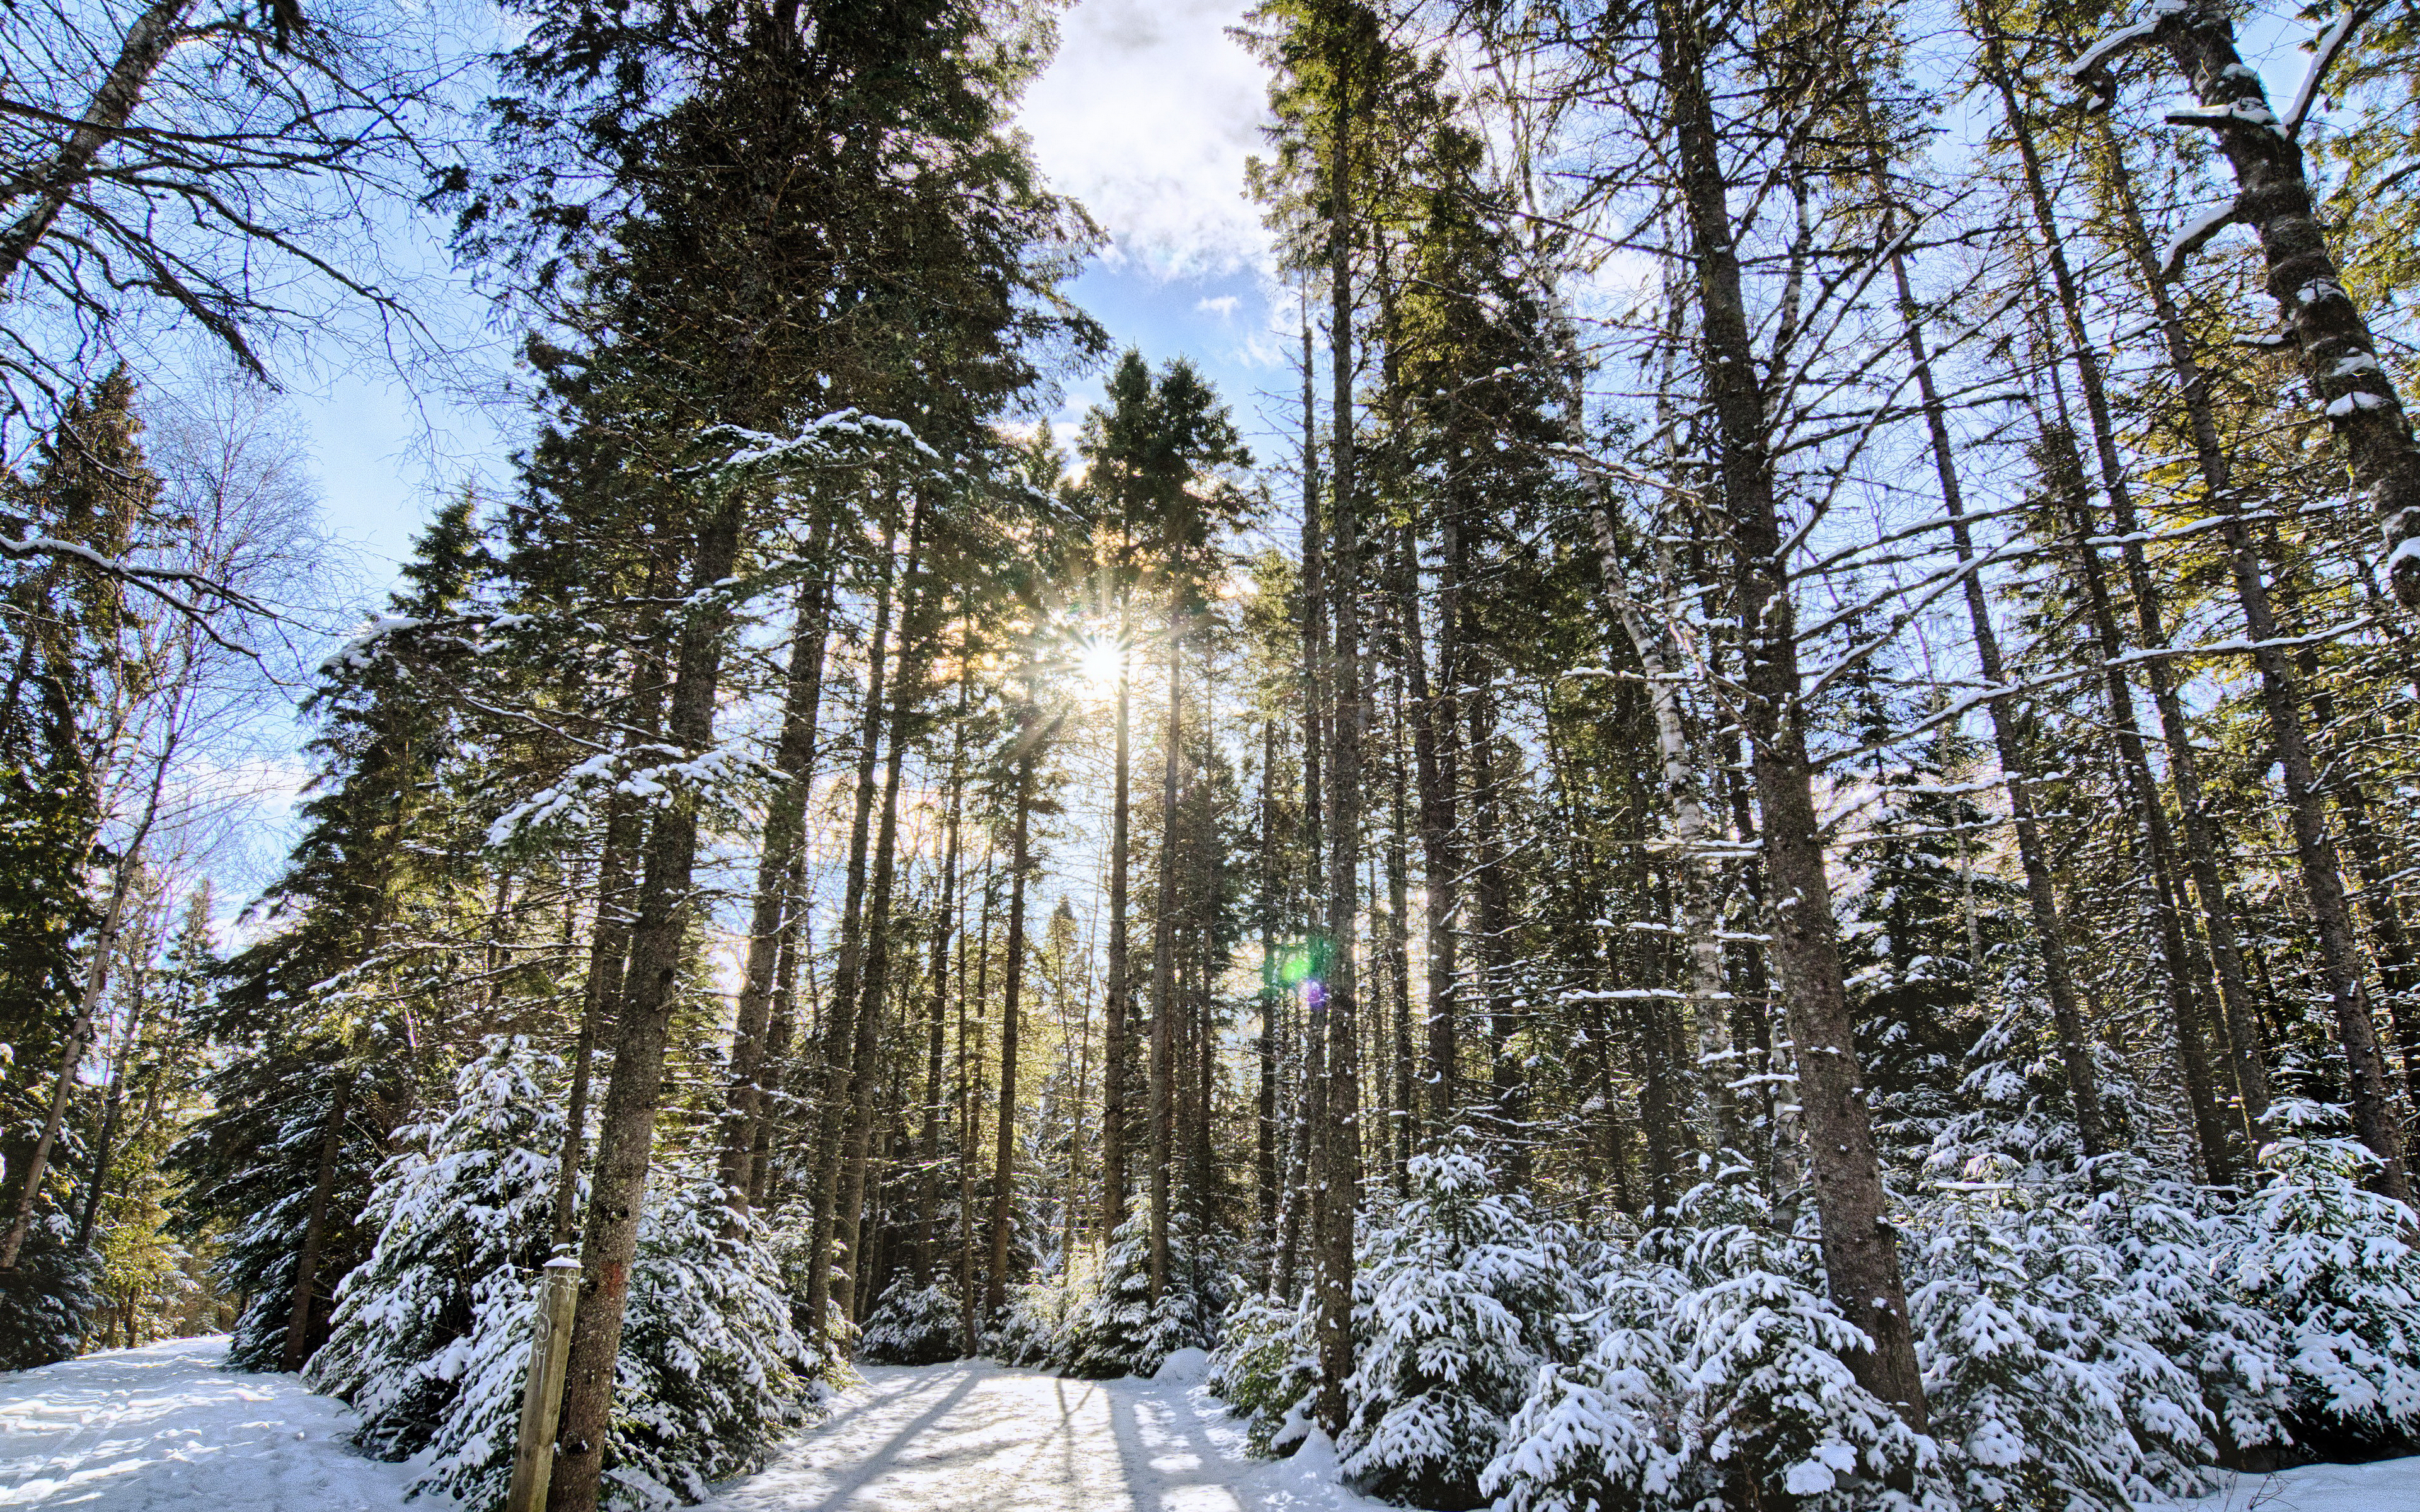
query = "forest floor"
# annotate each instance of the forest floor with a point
(976, 1435)
(166, 1428)
(163, 1426)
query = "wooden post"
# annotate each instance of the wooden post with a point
(542, 1397)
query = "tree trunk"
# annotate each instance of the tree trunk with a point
(2199, 847)
(2210, 1126)
(944, 923)
(147, 45)
(628, 1129)
(1336, 1182)
(314, 1230)
(1860, 1254)
(1003, 1210)
(907, 685)
(833, 1087)
(1163, 958)
(1264, 1045)
(1403, 1108)
(1117, 1075)
(98, 1182)
(1435, 773)
(2315, 850)
(2339, 358)
(785, 834)
(2009, 725)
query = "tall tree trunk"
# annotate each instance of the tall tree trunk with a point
(97, 1183)
(1660, 654)
(628, 1129)
(1337, 1182)
(1003, 1193)
(2199, 847)
(798, 942)
(1403, 1107)
(874, 990)
(785, 835)
(1264, 1045)
(1117, 1074)
(609, 931)
(944, 923)
(2315, 849)
(1860, 1254)
(834, 1087)
(1295, 1214)
(315, 1228)
(1163, 955)
(1434, 772)
(2181, 971)
(2009, 727)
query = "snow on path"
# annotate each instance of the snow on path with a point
(976, 1435)
(2385, 1486)
(166, 1428)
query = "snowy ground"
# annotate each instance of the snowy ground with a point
(164, 1428)
(2388, 1486)
(975, 1435)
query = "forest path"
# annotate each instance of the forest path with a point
(976, 1435)
(165, 1426)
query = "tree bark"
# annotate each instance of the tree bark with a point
(2339, 357)
(1004, 1195)
(1860, 1254)
(1337, 1185)
(2315, 849)
(785, 834)
(627, 1128)
(1264, 1045)
(834, 1087)
(1117, 1075)
(1163, 957)
(1434, 772)
(147, 45)
(314, 1230)
(944, 923)
(907, 690)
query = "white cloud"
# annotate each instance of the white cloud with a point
(1146, 116)
(1223, 306)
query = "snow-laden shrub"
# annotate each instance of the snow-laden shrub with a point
(1605, 1431)
(1265, 1369)
(49, 1299)
(2014, 1334)
(711, 1373)
(1714, 1377)
(1115, 1329)
(462, 1214)
(1032, 1326)
(1462, 1296)
(2169, 1318)
(912, 1325)
(2328, 1260)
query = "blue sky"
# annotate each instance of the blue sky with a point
(1146, 116)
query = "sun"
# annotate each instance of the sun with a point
(1100, 664)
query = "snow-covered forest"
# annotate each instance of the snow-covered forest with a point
(1744, 836)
